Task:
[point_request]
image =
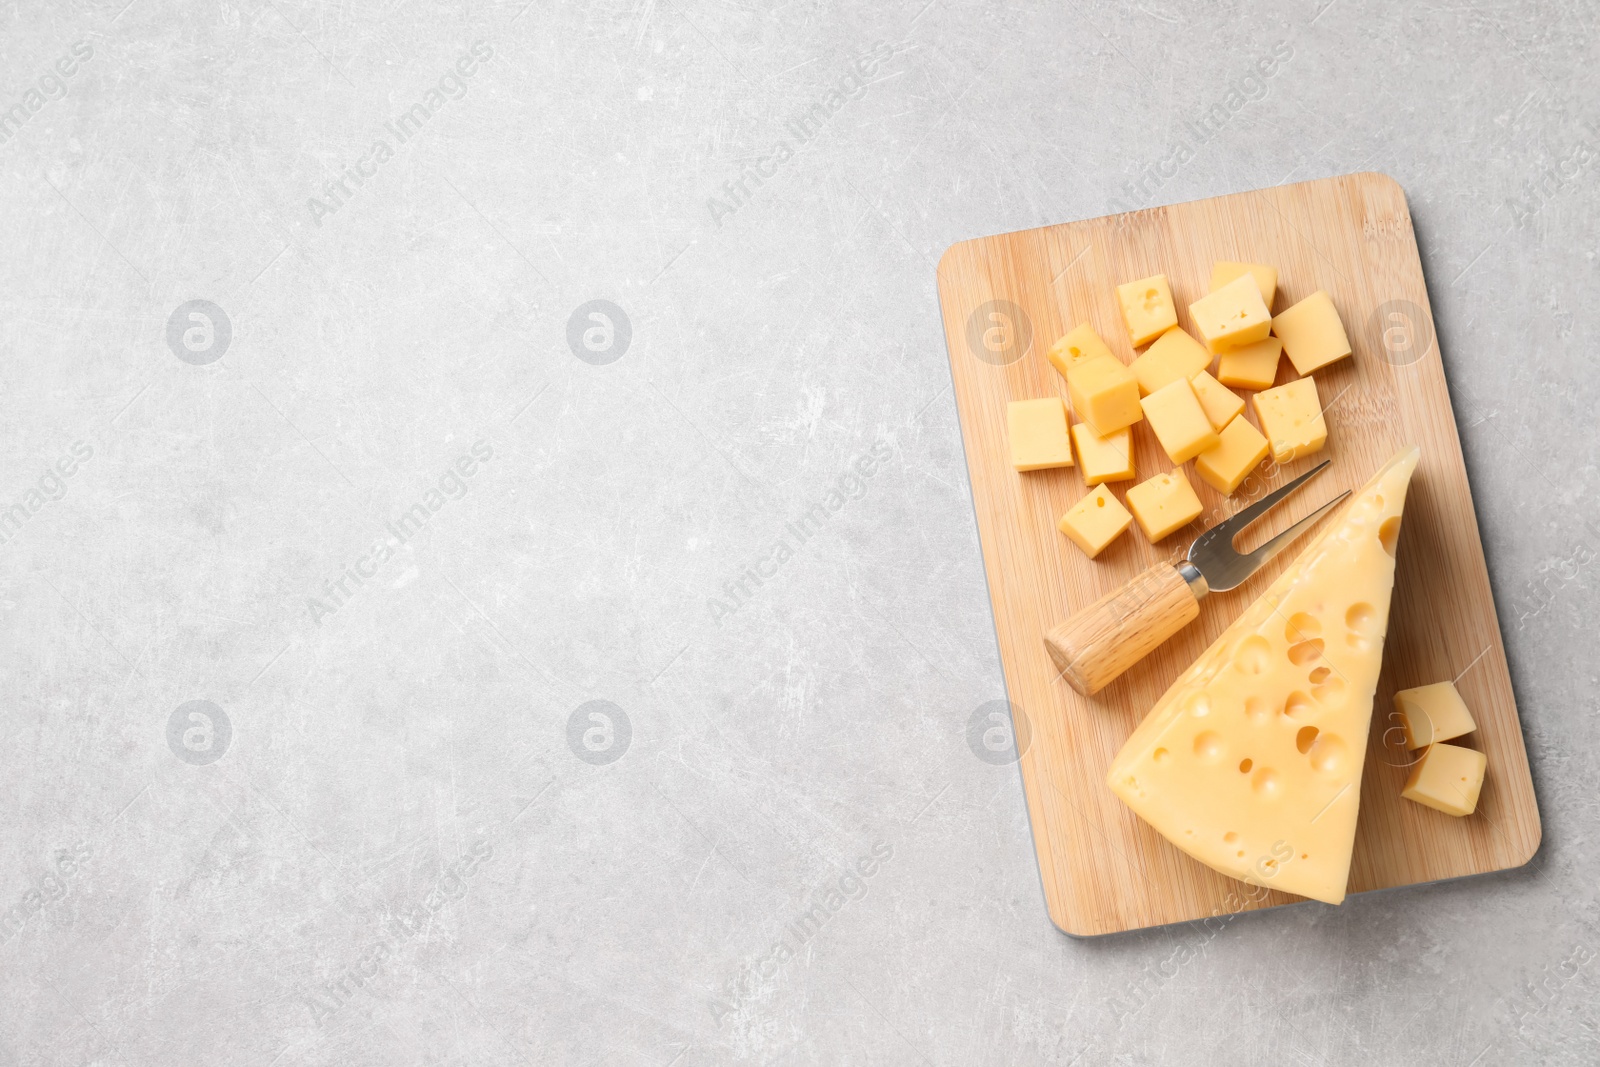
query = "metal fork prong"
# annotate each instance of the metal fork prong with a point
(1235, 525)
(1261, 555)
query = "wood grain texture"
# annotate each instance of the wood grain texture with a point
(1104, 870)
(1098, 643)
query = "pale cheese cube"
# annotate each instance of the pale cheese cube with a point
(1221, 404)
(1312, 334)
(1252, 366)
(1174, 355)
(1430, 713)
(1079, 344)
(1038, 434)
(1240, 448)
(1164, 504)
(1147, 308)
(1095, 521)
(1233, 315)
(1291, 417)
(1225, 271)
(1103, 459)
(1448, 778)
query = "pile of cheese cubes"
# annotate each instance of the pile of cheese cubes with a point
(1446, 778)
(1193, 413)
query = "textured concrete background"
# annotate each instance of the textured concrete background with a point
(397, 830)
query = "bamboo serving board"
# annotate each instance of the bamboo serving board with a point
(1005, 300)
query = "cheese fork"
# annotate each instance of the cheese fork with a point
(1096, 645)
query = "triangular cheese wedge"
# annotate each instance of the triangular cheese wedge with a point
(1251, 762)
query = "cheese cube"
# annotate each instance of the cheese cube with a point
(1103, 459)
(1311, 332)
(1147, 308)
(1448, 778)
(1239, 449)
(1179, 421)
(1291, 417)
(1174, 355)
(1432, 713)
(1079, 344)
(1038, 432)
(1104, 393)
(1252, 366)
(1224, 271)
(1221, 404)
(1232, 316)
(1095, 521)
(1163, 504)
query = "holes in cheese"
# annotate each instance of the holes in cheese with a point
(1286, 688)
(1147, 308)
(1095, 521)
(1448, 778)
(1077, 345)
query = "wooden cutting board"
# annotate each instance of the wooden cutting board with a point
(1005, 300)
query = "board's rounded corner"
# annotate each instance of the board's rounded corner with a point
(1065, 925)
(1387, 180)
(1533, 846)
(944, 259)
(1076, 935)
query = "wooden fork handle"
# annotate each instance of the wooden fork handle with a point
(1097, 644)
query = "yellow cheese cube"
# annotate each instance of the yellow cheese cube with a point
(1163, 504)
(1291, 417)
(1221, 404)
(1432, 713)
(1252, 366)
(1147, 308)
(1038, 431)
(1179, 421)
(1103, 459)
(1079, 344)
(1224, 271)
(1095, 521)
(1226, 464)
(1174, 355)
(1311, 332)
(1104, 393)
(1232, 316)
(1448, 778)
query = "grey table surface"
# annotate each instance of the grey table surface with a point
(310, 589)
